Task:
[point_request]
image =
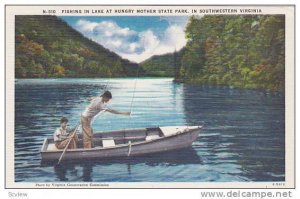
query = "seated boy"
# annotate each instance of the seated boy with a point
(63, 135)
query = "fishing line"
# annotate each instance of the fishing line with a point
(133, 95)
(135, 82)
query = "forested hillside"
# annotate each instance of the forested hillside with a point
(163, 65)
(242, 51)
(46, 46)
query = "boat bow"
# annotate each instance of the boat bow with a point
(173, 130)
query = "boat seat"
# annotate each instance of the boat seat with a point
(52, 147)
(108, 143)
(151, 137)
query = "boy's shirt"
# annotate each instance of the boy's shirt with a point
(61, 134)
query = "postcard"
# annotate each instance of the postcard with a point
(150, 96)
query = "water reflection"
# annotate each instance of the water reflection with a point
(242, 125)
(81, 170)
(243, 137)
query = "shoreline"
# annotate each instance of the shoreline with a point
(154, 77)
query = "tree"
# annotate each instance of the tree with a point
(243, 51)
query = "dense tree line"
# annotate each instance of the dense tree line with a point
(46, 46)
(242, 51)
(166, 65)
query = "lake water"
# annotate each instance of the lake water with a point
(243, 137)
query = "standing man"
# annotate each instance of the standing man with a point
(97, 105)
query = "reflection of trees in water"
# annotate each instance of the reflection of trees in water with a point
(245, 126)
(51, 101)
(70, 170)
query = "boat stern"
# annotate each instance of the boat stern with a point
(44, 146)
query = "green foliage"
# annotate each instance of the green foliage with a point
(165, 65)
(46, 46)
(242, 51)
(57, 71)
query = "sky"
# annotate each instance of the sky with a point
(133, 37)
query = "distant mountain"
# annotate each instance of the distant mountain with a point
(166, 65)
(46, 46)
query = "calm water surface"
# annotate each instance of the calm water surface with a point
(243, 137)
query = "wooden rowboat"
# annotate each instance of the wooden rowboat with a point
(129, 142)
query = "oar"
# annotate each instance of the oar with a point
(71, 137)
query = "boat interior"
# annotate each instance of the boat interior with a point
(113, 138)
